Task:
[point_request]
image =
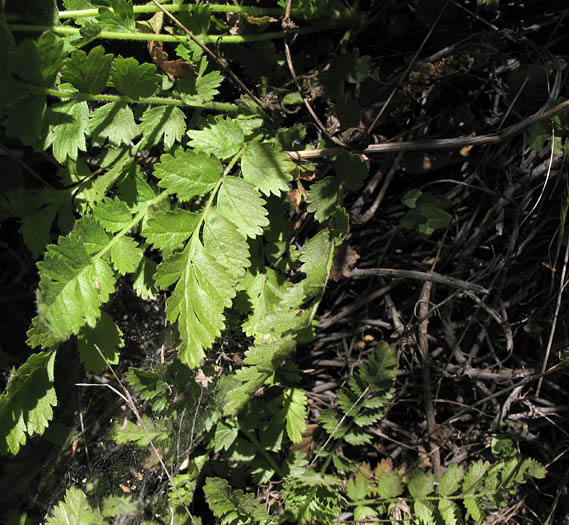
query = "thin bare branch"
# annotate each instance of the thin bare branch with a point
(432, 144)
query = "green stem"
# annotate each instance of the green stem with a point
(215, 189)
(180, 39)
(167, 101)
(214, 8)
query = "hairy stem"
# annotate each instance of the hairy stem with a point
(181, 8)
(166, 101)
(180, 39)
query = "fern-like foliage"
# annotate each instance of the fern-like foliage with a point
(460, 495)
(207, 223)
(362, 402)
(314, 497)
(234, 507)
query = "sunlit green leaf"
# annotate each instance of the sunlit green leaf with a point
(75, 509)
(188, 173)
(168, 229)
(267, 168)
(222, 139)
(240, 202)
(73, 284)
(126, 255)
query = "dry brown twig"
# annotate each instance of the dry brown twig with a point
(419, 276)
(562, 284)
(432, 144)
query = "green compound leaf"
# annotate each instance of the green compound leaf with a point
(188, 173)
(264, 291)
(73, 284)
(295, 413)
(150, 386)
(361, 512)
(120, 18)
(115, 506)
(357, 437)
(68, 127)
(169, 229)
(133, 79)
(450, 512)
(375, 378)
(226, 244)
(88, 73)
(316, 257)
(424, 512)
(206, 85)
(203, 291)
(105, 335)
(75, 509)
(222, 139)
(240, 202)
(314, 497)
(89, 30)
(126, 255)
(323, 198)
(421, 483)
(170, 269)
(26, 406)
(134, 433)
(113, 121)
(389, 485)
(113, 214)
(450, 480)
(427, 212)
(474, 477)
(262, 360)
(202, 90)
(534, 469)
(162, 123)
(475, 509)
(233, 506)
(134, 190)
(357, 487)
(39, 335)
(267, 168)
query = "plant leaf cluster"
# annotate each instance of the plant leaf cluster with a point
(154, 193)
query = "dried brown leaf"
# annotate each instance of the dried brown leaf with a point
(345, 257)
